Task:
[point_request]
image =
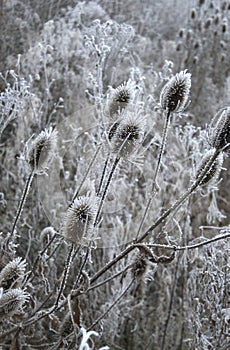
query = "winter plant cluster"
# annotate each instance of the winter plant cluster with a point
(114, 200)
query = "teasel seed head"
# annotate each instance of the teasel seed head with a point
(12, 274)
(128, 135)
(12, 302)
(42, 149)
(121, 98)
(214, 170)
(175, 93)
(220, 133)
(80, 218)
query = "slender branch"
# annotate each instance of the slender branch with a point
(103, 175)
(87, 172)
(22, 201)
(115, 164)
(111, 306)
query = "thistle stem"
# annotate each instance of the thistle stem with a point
(154, 184)
(115, 164)
(22, 201)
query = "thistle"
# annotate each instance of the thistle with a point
(12, 302)
(214, 169)
(120, 98)
(80, 218)
(12, 274)
(175, 93)
(42, 149)
(128, 135)
(220, 134)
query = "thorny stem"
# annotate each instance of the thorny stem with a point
(111, 306)
(154, 184)
(65, 275)
(22, 201)
(103, 175)
(116, 161)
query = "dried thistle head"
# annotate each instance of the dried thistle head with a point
(121, 97)
(12, 274)
(42, 149)
(213, 171)
(80, 218)
(12, 302)
(220, 133)
(128, 135)
(175, 93)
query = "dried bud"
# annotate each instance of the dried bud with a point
(128, 135)
(80, 218)
(12, 274)
(42, 149)
(220, 134)
(214, 169)
(139, 266)
(12, 302)
(120, 98)
(175, 93)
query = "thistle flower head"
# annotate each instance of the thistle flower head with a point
(42, 149)
(214, 169)
(12, 274)
(121, 97)
(220, 133)
(12, 302)
(175, 93)
(80, 218)
(128, 135)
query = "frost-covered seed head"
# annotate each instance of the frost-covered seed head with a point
(42, 149)
(128, 135)
(214, 170)
(220, 134)
(175, 93)
(12, 274)
(120, 98)
(12, 302)
(80, 218)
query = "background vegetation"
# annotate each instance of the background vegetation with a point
(61, 62)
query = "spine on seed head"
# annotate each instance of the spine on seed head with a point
(127, 135)
(12, 274)
(80, 218)
(42, 149)
(175, 93)
(220, 134)
(12, 302)
(121, 97)
(214, 170)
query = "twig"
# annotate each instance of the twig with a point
(111, 306)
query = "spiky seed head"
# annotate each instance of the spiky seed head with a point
(175, 93)
(121, 97)
(12, 301)
(42, 149)
(214, 169)
(220, 133)
(128, 135)
(12, 274)
(80, 218)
